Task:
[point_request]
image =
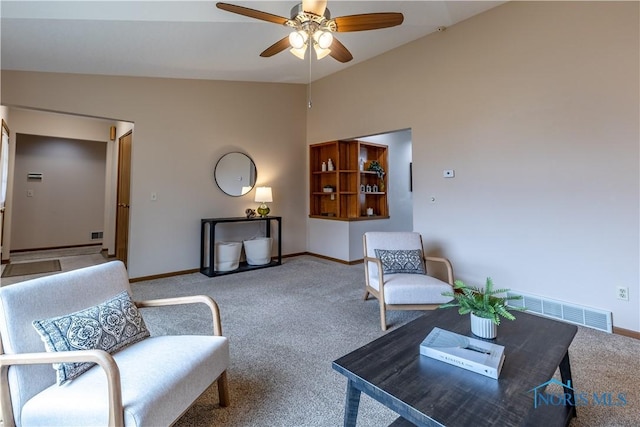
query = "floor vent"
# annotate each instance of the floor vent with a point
(96, 235)
(572, 313)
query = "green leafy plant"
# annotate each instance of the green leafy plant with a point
(482, 302)
(375, 166)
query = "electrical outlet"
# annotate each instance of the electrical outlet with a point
(623, 293)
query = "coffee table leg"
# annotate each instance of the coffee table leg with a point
(351, 405)
(565, 375)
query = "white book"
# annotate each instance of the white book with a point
(465, 352)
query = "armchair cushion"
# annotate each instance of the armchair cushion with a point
(408, 261)
(109, 326)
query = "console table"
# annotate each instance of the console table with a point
(207, 246)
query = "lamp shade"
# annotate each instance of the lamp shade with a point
(263, 195)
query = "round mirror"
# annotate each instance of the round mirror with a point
(235, 174)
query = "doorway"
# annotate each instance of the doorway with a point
(70, 126)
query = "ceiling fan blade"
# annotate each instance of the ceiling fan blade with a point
(339, 52)
(316, 7)
(368, 21)
(277, 47)
(252, 13)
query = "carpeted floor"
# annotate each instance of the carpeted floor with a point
(287, 324)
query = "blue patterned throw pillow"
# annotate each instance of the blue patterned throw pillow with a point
(401, 261)
(110, 326)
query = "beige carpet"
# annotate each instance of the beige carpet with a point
(29, 268)
(287, 324)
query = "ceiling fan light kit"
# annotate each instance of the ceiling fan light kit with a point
(312, 26)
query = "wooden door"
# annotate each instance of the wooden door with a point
(122, 212)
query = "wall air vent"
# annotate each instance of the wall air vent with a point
(96, 235)
(559, 310)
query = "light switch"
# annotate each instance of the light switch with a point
(29, 193)
(448, 173)
(154, 196)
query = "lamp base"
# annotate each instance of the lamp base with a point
(263, 210)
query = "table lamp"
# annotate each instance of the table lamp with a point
(263, 195)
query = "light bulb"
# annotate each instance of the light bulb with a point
(325, 39)
(297, 39)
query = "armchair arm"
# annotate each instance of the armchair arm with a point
(194, 299)
(447, 264)
(378, 263)
(101, 357)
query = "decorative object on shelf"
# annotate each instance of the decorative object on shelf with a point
(369, 211)
(324, 166)
(368, 188)
(362, 188)
(250, 213)
(258, 250)
(375, 166)
(374, 188)
(227, 257)
(483, 304)
(263, 196)
(327, 189)
(361, 164)
(330, 166)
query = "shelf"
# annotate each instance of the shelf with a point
(242, 266)
(208, 241)
(347, 202)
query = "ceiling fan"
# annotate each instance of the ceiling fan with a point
(313, 26)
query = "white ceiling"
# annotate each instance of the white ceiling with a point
(195, 39)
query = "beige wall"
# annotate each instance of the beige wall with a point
(535, 105)
(182, 127)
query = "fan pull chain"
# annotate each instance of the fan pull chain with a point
(309, 102)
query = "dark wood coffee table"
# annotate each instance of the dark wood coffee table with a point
(427, 392)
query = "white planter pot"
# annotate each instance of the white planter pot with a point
(258, 250)
(227, 256)
(484, 328)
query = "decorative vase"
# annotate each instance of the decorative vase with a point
(482, 327)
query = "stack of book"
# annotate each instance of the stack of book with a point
(476, 355)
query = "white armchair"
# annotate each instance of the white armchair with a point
(396, 274)
(149, 382)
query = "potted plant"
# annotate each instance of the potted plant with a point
(484, 305)
(375, 166)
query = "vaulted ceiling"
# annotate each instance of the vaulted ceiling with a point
(195, 39)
